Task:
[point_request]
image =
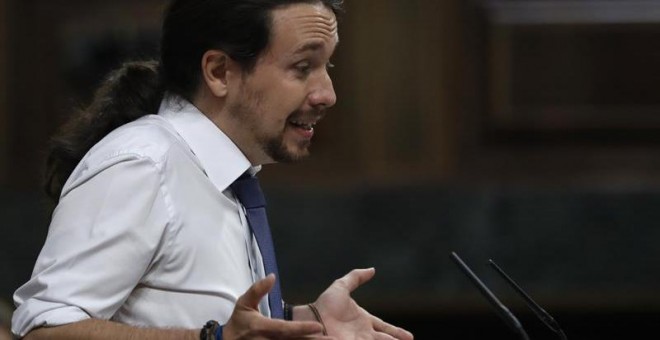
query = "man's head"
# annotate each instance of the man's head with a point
(264, 60)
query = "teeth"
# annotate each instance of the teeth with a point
(307, 126)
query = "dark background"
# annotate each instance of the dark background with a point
(523, 131)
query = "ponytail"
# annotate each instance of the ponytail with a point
(128, 93)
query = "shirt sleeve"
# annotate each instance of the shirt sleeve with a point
(104, 234)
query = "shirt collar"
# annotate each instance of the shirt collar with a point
(220, 158)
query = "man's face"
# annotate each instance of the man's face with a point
(287, 92)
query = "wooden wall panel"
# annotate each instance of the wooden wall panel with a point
(405, 66)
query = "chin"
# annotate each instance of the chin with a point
(282, 154)
(291, 157)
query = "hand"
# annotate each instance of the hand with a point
(344, 319)
(247, 323)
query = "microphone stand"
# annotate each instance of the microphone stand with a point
(544, 316)
(499, 307)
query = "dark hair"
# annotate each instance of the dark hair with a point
(240, 28)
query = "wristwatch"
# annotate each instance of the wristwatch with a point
(212, 330)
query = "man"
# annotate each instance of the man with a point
(155, 231)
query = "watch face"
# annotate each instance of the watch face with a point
(209, 330)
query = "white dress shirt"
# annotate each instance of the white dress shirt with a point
(147, 231)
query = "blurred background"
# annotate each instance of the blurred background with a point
(523, 131)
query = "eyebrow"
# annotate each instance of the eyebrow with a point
(308, 47)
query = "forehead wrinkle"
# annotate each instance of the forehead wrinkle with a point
(320, 36)
(330, 20)
(319, 23)
(312, 19)
(316, 31)
(315, 26)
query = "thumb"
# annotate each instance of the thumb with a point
(256, 292)
(356, 278)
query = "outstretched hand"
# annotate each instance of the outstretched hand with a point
(247, 323)
(345, 319)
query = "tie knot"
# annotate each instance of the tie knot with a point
(248, 191)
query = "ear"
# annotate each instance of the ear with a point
(216, 66)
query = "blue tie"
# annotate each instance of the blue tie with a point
(248, 191)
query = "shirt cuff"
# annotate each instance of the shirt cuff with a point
(33, 314)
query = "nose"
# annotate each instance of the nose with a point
(322, 96)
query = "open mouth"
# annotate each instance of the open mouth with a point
(302, 125)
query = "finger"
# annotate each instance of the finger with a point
(383, 336)
(356, 278)
(276, 328)
(256, 292)
(384, 327)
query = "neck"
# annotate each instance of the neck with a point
(215, 109)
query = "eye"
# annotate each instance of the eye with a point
(303, 68)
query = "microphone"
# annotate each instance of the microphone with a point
(499, 307)
(544, 316)
(504, 312)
